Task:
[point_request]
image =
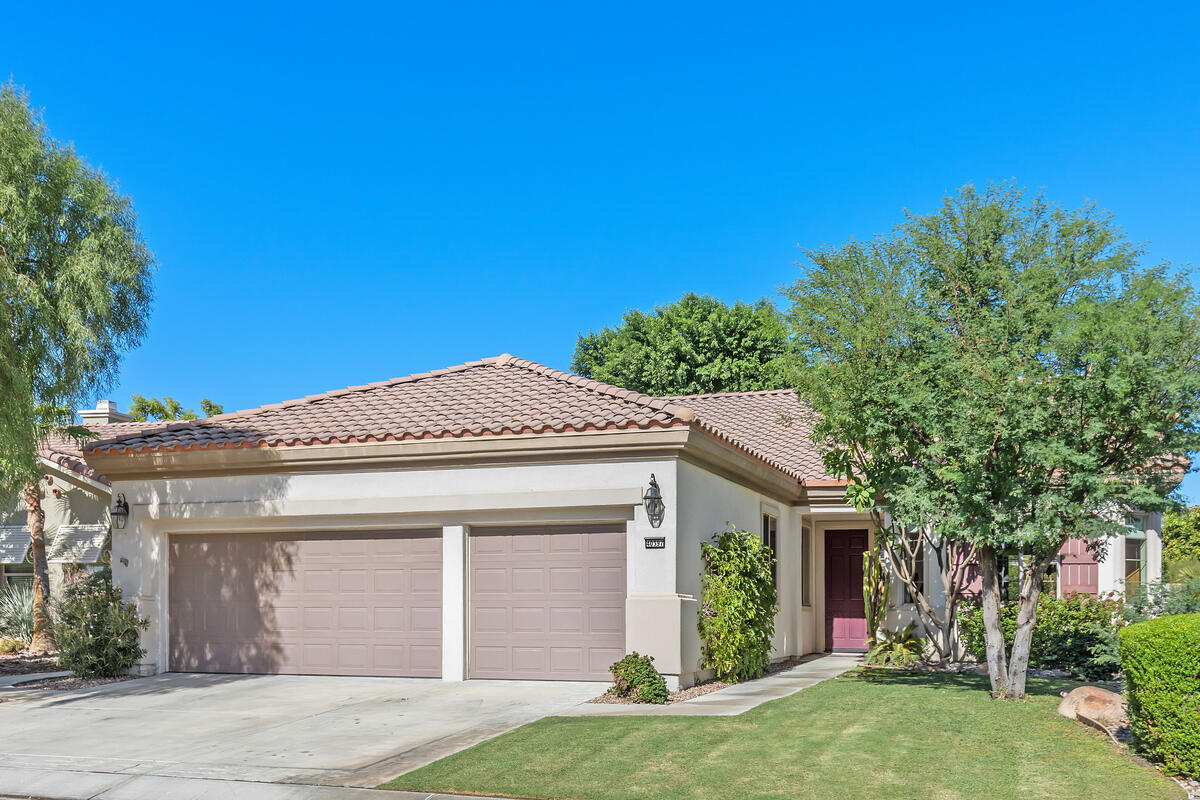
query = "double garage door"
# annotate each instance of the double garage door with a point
(544, 603)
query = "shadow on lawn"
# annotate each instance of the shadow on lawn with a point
(955, 681)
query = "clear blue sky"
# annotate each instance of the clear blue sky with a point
(339, 196)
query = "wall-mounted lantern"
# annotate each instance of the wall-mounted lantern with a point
(119, 512)
(656, 509)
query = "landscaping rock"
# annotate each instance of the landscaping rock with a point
(1091, 705)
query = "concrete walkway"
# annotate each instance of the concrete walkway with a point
(27, 784)
(47, 777)
(258, 729)
(9, 681)
(738, 698)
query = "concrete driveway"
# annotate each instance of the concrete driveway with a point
(275, 728)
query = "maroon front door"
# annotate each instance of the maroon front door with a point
(845, 614)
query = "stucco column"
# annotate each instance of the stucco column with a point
(454, 602)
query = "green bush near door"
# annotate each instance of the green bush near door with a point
(737, 605)
(1161, 658)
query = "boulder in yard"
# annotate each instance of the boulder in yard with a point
(1094, 706)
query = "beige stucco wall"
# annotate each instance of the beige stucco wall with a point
(391, 499)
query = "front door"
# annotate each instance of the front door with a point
(845, 613)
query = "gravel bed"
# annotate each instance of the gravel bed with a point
(24, 663)
(1191, 786)
(68, 683)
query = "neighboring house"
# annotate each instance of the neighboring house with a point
(482, 521)
(75, 500)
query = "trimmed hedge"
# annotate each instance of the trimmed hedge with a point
(1161, 658)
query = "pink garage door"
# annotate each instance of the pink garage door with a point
(308, 604)
(547, 602)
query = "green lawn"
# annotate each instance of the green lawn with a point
(876, 736)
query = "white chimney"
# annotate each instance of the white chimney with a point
(104, 413)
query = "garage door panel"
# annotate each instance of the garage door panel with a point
(427, 619)
(567, 620)
(600, 658)
(427, 581)
(547, 602)
(606, 579)
(341, 604)
(490, 581)
(528, 581)
(606, 620)
(529, 620)
(566, 580)
(566, 543)
(607, 543)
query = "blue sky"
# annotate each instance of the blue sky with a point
(339, 195)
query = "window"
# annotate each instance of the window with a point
(18, 575)
(1011, 568)
(770, 538)
(806, 566)
(1135, 553)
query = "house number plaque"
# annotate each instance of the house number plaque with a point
(656, 543)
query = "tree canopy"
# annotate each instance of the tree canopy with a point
(75, 291)
(1181, 534)
(1002, 373)
(75, 279)
(696, 345)
(168, 408)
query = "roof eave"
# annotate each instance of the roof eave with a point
(404, 454)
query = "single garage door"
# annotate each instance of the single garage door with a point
(547, 602)
(308, 604)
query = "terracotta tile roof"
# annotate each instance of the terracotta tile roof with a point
(772, 424)
(493, 397)
(66, 452)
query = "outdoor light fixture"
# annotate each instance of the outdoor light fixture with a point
(656, 509)
(119, 512)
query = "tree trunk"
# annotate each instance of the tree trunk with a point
(998, 672)
(43, 635)
(1031, 589)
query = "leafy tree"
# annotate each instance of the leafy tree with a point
(1181, 534)
(694, 346)
(1000, 375)
(168, 408)
(75, 289)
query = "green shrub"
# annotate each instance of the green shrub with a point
(16, 611)
(98, 635)
(9, 646)
(1074, 633)
(1163, 600)
(1184, 570)
(1162, 679)
(635, 677)
(898, 648)
(737, 605)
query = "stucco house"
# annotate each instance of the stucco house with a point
(75, 499)
(488, 520)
